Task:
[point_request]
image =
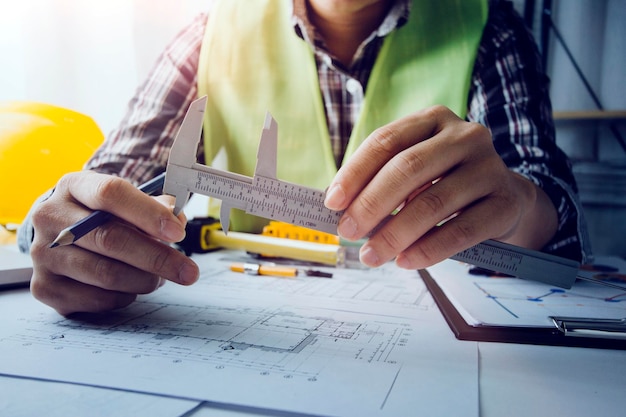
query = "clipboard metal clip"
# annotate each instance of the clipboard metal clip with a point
(591, 327)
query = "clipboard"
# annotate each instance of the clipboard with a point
(561, 331)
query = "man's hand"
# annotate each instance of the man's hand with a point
(451, 188)
(109, 266)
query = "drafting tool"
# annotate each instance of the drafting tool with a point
(528, 264)
(266, 196)
(521, 263)
(262, 195)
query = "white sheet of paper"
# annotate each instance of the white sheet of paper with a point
(364, 343)
(15, 267)
(27, 397)
(516, 302)
(526, 380)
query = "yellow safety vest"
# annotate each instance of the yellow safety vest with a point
(252, 61)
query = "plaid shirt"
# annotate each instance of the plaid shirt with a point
(508, 94)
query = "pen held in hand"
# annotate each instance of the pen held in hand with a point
(79, 229)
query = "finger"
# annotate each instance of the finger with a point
(408, 171)
(453, 193)
(397, 182)
(168, 201)
(114, 239)
(380, 147)
(416, 192)
(68, 296)
(100, 271)
(461, 232)
(72, 279)
(126, 244)
(120, 198)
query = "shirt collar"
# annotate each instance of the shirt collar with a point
(396, 18)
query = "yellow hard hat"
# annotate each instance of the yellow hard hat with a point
(39, 143)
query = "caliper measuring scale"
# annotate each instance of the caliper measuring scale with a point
(266, 196)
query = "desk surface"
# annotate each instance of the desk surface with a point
(512, 380)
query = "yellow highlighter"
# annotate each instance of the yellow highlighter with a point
(271, 270)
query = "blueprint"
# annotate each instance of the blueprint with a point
(366, 342)
(516, 302)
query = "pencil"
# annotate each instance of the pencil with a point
(79, 229)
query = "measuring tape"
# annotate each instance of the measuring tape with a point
(290, 231)
(266, 196)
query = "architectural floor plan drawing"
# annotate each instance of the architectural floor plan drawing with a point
(365, 342)
(292, 342)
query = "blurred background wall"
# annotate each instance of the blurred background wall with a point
(595, 35)
(86, 55)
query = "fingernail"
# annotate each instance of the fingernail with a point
(188, 274)
(335, 197)
(403, 262)
(368, 256)
(347, 227)
(172, 231)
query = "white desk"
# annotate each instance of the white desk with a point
(518, 380)
(514, 381)
(511, 380)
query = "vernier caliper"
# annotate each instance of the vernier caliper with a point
(262, 195)
(266, 196)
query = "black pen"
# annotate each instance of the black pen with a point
(79, 229)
